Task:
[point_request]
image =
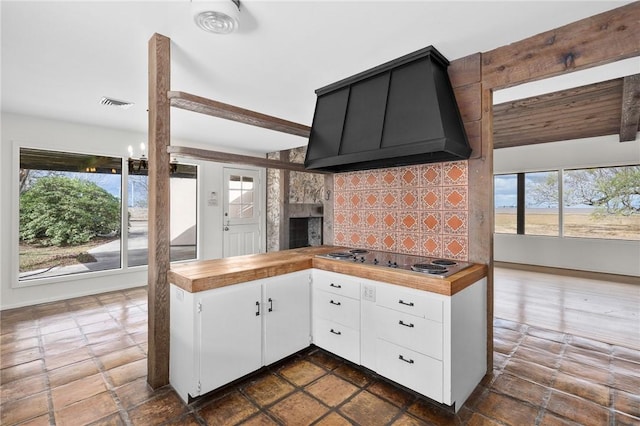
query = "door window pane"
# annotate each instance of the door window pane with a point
(602, 203)
(241, 197)
(506, 203)
(70, 218)
(541, 203)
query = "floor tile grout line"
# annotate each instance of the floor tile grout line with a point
(545, 401)
(107, 380)
(610, 357)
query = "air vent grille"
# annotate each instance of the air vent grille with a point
(115, 103)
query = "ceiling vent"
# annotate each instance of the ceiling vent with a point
(115, 103)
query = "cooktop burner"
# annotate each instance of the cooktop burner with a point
(358, 251)
(434, 267)
(428, 268)
(444, 262)
(340, 255)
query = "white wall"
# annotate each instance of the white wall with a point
(610, 256)
(21, 130)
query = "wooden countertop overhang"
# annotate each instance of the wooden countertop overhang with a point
(209, 274)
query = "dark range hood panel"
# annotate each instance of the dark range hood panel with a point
(399, 113)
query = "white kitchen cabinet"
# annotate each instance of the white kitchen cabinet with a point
(287, 315)
(428, 342)
(336, 314)
(230, 337)
(431, 343)
(220, 335)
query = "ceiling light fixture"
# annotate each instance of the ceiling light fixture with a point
(223, 20)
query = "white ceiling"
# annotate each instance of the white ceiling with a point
(60, 58)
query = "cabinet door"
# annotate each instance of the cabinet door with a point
(287, 315)
(230, 338)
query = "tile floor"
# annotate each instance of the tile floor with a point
(83, 361)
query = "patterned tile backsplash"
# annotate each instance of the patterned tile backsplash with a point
(421, 210)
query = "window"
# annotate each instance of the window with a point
(602, 203)
(597, 203)
(541, 216)
(506, 203)
(184, 189)
(70, 213)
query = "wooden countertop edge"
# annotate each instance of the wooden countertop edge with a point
(445, 286)
(210, 274)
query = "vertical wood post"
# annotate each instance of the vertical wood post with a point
(159, 237)
(285, 184)
(476, 106)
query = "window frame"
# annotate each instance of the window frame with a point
(14, 214)
(521, 198)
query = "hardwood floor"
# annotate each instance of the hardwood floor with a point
(83, 362)
(601, 310)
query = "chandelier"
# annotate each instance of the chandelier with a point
(140, 165)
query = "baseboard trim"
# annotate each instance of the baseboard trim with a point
(602, 276)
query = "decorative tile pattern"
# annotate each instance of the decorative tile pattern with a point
(420, 210)
(454, 247)
(431, 222)
(340, 237)
(455, 222)
(454, 173)
(431, 245)
(431, 175)
(409, 221)
(409, 176)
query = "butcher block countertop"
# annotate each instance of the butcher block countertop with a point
(209, 274)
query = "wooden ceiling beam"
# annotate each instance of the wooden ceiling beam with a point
(597, 40)
(213, 108)
(225, 157)
(630, 120)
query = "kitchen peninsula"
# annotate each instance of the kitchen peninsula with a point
(232, 316)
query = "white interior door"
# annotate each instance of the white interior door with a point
(242, 230)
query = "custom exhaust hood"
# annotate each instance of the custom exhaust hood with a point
(399, 113)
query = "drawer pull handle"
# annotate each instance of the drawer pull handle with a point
(405, 324)
(407, 360)
(335, 285)
(402, 302)
(336, 332)
(335, 303)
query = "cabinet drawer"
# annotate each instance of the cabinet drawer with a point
(338, 339)
(340, 309)
(336, 283)
(414, 302)
(411, 369)
(415, 333)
